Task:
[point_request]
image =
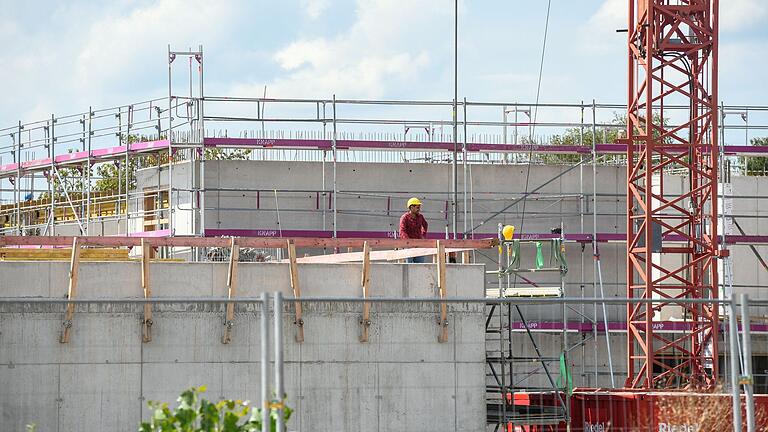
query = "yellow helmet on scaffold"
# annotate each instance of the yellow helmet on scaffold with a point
(508, 231)
(413, 201)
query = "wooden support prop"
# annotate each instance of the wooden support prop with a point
(74, 269)
(294, 268)
(442, 290)
(234, 257)
(465, 257)
(366, 281)
(146, 324)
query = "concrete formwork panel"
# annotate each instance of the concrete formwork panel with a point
(103, 377)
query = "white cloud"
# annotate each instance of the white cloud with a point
(63, 68)
(599, 35)
(314, 8)
(385, 47)
(612, 14)
(736, 15)
(120, 46)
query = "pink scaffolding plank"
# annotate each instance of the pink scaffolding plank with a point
(150, 145)
(9, 170)
(267, 142)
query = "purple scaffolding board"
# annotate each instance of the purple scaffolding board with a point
(113, 153)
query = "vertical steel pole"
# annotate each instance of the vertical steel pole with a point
(17, 183)
(455, 114)
(201, 125)
(119, 176)
(52, 175)
(594, 238)
(88, 163)
(595, 248)
(127, 166)
(334, 166)
(464, 161)
(734, 360)
(322, 169)
(582, 210)
(747, 372)
(170, 146)
(279, 390)
(265, 387)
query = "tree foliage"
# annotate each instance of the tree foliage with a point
(111, 176)
(757, 165)
(586, 137)
(195, 414)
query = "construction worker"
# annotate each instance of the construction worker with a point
(413, 226)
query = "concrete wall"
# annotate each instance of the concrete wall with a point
(403, 379)
(372, 195)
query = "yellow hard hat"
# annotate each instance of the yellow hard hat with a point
(508, 231)
(413, 201)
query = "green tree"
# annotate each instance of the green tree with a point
(579, 136)
(757, 165)
(227, 154)
(602, 135)
(195, 414)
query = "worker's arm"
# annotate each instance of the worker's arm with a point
(424, 226)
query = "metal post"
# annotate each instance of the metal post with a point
(455, 114)
(334, 166)
(17, 183)
(127, 167)
(51, 176)
(169, 136)
(582, 210)
(279, 390)
(322, 169)
(734, 360)
(265, 390)
(201, 125)
(464, 160)
(88, 172)
(747, 374)
(119, 176)
(594, 238)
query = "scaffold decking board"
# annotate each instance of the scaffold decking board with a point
(62, 254)
(385, 255)
(118, 152)
(538, 291)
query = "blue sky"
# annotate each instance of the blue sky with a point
(61, 57)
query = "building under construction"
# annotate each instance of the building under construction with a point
(251, 245)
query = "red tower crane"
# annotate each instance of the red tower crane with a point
(672, 244)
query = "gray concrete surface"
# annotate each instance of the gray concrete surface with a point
(403, 379)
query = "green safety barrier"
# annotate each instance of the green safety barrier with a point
(565, 380)
(539, 256)
(557, 254)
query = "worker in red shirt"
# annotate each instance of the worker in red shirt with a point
(413, 226)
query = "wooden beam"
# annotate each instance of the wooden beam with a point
(146, 324)
(294, 269)
(74, 269)
(383, 255)
(366, 281)
(254, 242)
(234, 257)
(442, 290)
